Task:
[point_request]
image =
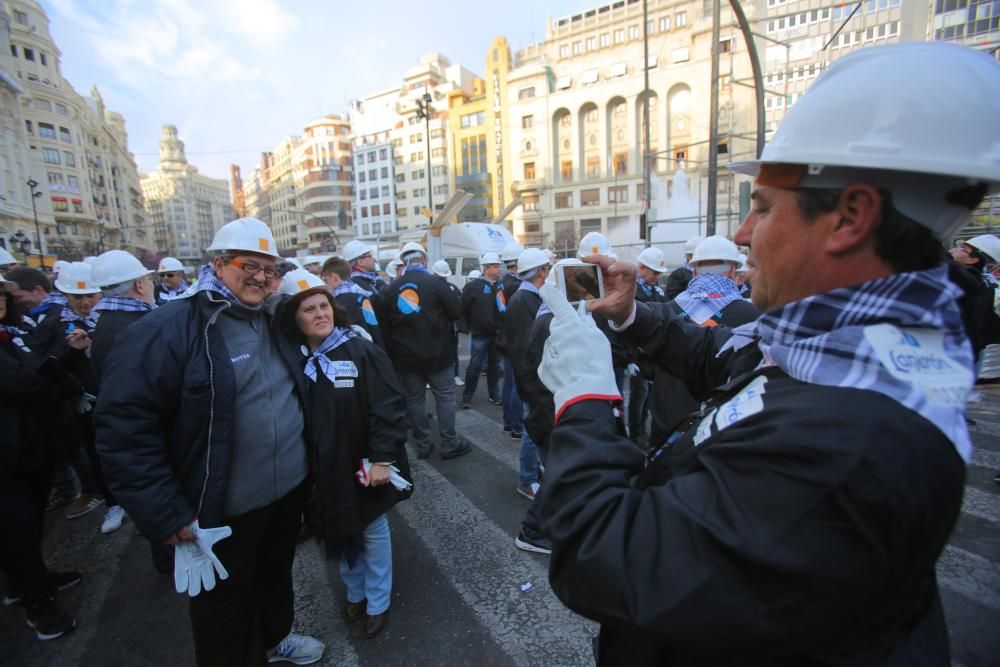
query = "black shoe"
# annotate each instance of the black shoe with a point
(458, 451)
(496, 401)
(997, 478)
(47, 621)
(58, 581)
(424, 454)
(355, 611)
(375, 624)
(515, 435)
(538, 545)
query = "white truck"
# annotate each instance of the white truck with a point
(461, 244)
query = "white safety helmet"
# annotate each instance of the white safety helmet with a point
(488, 258)
(355, 249)
(531, 258)
(59, 266)
(76, 278)
(652, 258)
(715, 248)
(511, 252)
(247, 234)
(309, 260)
(918, 119)
(691, 244)
(90, 259)
(168, 264)
(392, 266)
(299, 283)
(441, 268)
(987, 244)
(116, 267)
(743, 267)
(594, 243)
(473, 274)
(411, 249)
(6, 258)
(551, 255)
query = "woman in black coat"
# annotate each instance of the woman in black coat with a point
(356, 414)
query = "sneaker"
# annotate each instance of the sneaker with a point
(85, 504)
(529, 491)
(459, 382)
(458, 451)
(57, 580)
(47, 621)
(515, 435)
(496, 401)
(538, 545)
(297, 649)
(58, 498)
(113, 519)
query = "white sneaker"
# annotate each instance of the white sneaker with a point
(459, 381)
(113, 519)
(297, 649)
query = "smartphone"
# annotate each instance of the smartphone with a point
(582, 282)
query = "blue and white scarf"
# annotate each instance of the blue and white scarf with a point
(318, 357)
(649, 289)
(13, 335)
(53, 298)
(419, 268)
(706, 295)
(371, 276)
(209, 282)
(350, 287)
(901, 336)
(123, 304)
(88, 322)
(167, 294)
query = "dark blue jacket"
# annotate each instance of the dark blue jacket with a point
(165, 416)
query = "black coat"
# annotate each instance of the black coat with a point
(517, 323)
(509, 284)
(48, 339)
(479, 306)
(419, 323)
(677, 282)
(361, 311)
(112, 323)
(796, 535)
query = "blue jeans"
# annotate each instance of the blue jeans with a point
(513, 408)
(371, 577)
(442, 384)
(531, 524)
(528, 471)
(483, 350)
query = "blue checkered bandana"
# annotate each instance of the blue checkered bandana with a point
(370, 275)
(209, 282)
(123, 303)
(706, 295)
(901, 336)
(88, 322)
(350, 287)
(318, 358)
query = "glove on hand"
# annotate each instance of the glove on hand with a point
(195, 564)
(576, 364)
(85, 403)
(631, 370)
(395, 478)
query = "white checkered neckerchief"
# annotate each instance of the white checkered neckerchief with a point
(318, 357)
(369, 275)
(901, 336)
(123, 304)
(56, 297)
(706, 295)
(350, 287)
(88, 322)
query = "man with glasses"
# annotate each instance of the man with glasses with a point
(172, 284)
(200, 428)
(364, 267)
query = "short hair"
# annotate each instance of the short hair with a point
(283, 267)
(28, 279)
(903, 243)
(338, 266)
(13, 316)
(286, 317)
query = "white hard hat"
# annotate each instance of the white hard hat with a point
(530, 259)
(90, 259)
(441, 268)
(298, 282)
(170, 264)
(410, 249)
(918, 119)
(309, 259)
(652, 258)
(355, 249)
(59, 266)
(115, 267)
(717, 248)
(489, 258)
(511, 252)
(692, 243)
(76, 278)
(393, 264)
(551, 255)
(475, 273)
(594, 243)
(988, 244)
(6, 258)
(743, 267)
(247, 234)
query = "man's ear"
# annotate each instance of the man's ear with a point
(217, 264)
(858, 214)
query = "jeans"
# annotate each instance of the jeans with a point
(64, 480)
(483, 351)
(531, 525)
(513, 408)
(442, 384)
(638, 409)
(371, 577)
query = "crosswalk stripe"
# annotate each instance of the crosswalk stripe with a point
(986, 458)
(487, 570)
(970, 575)
(981, 504)
(484, 434)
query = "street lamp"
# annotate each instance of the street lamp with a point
(32, 183)
(321, 221)
(424, 111)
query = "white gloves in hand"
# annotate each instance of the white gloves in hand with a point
(195, 565)
(631, 370)
(395, 478)
(85, 403)
(576, 364)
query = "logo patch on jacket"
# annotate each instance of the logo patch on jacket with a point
(409, 300)
(368, 312)
(345, 369)
(917, 356)
(749, 401)
(240, 357)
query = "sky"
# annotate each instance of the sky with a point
(238, 76)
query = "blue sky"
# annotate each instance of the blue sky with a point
(237, 76)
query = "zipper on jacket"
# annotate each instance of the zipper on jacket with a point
(211, 404)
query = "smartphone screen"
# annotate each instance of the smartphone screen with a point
(582, 283)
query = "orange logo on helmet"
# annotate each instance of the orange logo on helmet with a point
(303, 284)
(264, 244)
(594, 250)
(80, 284)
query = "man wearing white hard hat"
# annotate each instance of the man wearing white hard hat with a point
(650, 265)
(357, 301)
(171, 283)
(975, 260)
(443, 271)
(201, 432)
(513, 407)
(364, 267)
(479, 307)
(679, 278)
(804, 506)
(419, 314)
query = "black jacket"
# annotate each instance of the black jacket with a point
(795, 535)
(361, 310)
(677, 282)
(419, 322)
(479, 306)
(48, 339)
(509, 284)
(517, 323)
(164, 418)
(541, 405)
(112, 323)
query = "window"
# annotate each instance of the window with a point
(373, 193)
(418, 174)
(605, 39)
(45, 61)
(577, 48)
(29, 54)
(362, 177)
(417, 157)
(527, 122)
(398, 160)
(385, 191)
(371, 157)
(591, 43)
(440, 189)
(590, 225)
(473, 119)
(640, 192)
(372, 174)
(28, 127)
(383, 154)
(564, 200)
(525, 93)
(681, 19)
(529, 171)
(21, 18)
(386, 209)
(50, 155)
(362, 194)
(64, 135)
(633, 32)
(439, 170)
(55, 178)
(590, 197)
(13, 50)
(591, 116)
(364, 211)
(530, 203)
(43, 105)
(60, 205)
(420, 192)
(620, 36)
(397, 142)
(593, 166)
(620, 162)
(566, 170)
(73, 183)
(618, 194)
(664, 23)
(437, 152)
(564, 120)
(564, 50)
(77, 206)
(401, 194)
(384, 173)
(46, 131)
(400, 177)
(417, 138)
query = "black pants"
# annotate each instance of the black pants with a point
(251, 611)
(89, 466)
(23, 496)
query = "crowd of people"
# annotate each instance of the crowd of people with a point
(742, 461)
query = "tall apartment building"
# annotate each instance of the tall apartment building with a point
(185, 208)
(73, 148)
(975, 23)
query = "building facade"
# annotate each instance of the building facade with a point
(185, 208)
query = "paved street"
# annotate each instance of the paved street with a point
(457, 597)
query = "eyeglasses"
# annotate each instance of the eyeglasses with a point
(168, 275)
(252, 269)
(93, 295)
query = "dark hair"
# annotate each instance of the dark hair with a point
(288, 309)
(338, 266)
(283, 267)
(981, 257)
(28, 279)
(14, 315)
(903, 243)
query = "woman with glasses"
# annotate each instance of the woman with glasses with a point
(356, 418)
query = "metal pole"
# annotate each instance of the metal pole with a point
(758, 75)
(430, 186)
(32, 183)
(645, 114)
(713, 122)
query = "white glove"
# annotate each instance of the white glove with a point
(85, 403)
(395, 478)
(358, 329)
(195, 564)
(631, 370)
(576, 364)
